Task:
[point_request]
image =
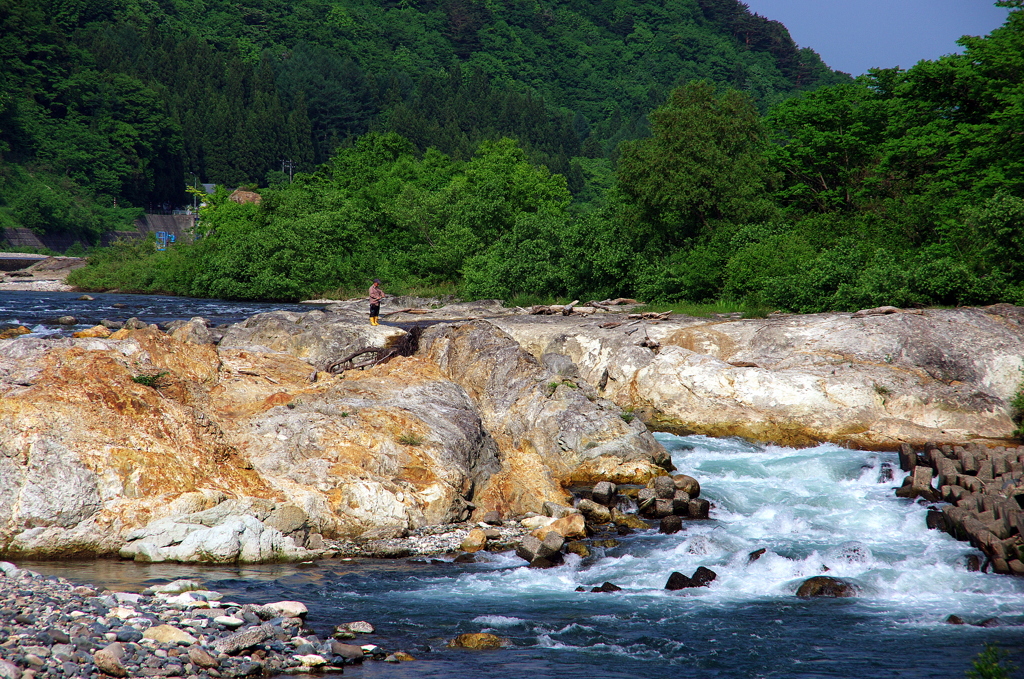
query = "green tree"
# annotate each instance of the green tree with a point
(703, 163)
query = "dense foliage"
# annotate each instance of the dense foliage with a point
(126, 102)
(510, 150)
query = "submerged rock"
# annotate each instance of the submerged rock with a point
(825, 586)
(477, 641)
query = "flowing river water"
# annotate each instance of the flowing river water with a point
(816, 510)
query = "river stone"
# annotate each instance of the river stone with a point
(311, 660)
(175, 587)
(604, 493)
(200, 658)
(629, 521)
(687, 484)
(607, 587)
(535, 522)
(109, 663)
(357, 627)
(477, 640)
(594, 512)
(570, 526)
(825, 586)
(492, 518)
(287, 609)
(532, 548)
(168, 634)
(349, 652)
(578, 548)
(556, 511)
(474, 541)
(244, 639)
(954, 620)
(9, 670)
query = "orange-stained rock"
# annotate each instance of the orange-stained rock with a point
(570, 526)
(8, 333)
(94, 331)
(550, 432)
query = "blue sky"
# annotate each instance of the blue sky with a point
(855, 35)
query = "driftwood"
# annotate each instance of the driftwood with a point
(610, 324)
(406, 345)
(611, 302)
(652, 316)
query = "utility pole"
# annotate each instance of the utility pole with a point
(290, 166)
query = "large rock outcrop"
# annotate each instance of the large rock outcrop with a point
(552, 430)
(164, 447)
(874, 380)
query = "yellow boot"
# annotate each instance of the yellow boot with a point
(372, 319)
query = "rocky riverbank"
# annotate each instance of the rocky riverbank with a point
(248, 444)
(47, 275)
(50, 627)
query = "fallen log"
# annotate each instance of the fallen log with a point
(652, 316)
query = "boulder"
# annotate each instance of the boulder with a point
(492, 518)
(557, 511)
(549, 439)
(631, 521)
(571, 526)
(702, 577)
(95, 331)
(287, 609)
(594, 512)
(474, 542)
(699, 509)
(687, 484)
(541, 553)
(350, 652)
(477, 641)
(356, 627)
(604, 493)
(607, 587)
(578, 548)
(825, 586)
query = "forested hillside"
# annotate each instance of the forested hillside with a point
(124, 102)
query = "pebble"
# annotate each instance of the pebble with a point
(52, 628)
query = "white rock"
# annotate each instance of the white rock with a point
(289, 609)
(311, 660)
(229, 621)
(535, 522)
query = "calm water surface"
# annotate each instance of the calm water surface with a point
(811, 509)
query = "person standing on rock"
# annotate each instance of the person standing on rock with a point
(376, 295)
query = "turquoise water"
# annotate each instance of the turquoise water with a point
(811, 510)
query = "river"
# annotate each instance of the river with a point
(823, 509)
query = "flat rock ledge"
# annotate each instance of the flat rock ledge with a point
(52, 627)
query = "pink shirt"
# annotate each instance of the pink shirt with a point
(376, 294)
